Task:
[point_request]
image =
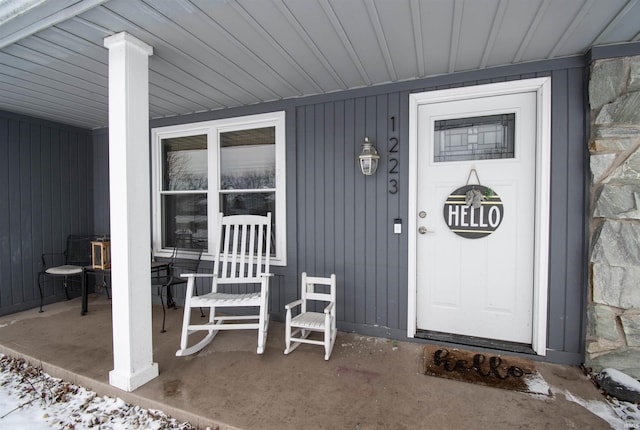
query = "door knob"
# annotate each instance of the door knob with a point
(423, 230)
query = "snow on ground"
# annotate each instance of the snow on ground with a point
(537, 385)
(619, 415)
(31, 399)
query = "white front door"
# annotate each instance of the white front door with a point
(470, 283)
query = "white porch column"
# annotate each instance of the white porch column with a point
(130, 218)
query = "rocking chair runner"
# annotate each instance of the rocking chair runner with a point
(242, 257)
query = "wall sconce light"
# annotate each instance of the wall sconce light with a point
(368, 158)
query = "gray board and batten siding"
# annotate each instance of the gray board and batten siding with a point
(340, 222)
(46, 192)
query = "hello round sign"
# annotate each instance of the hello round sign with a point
(473, 211)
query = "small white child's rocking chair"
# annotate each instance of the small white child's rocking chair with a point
(306, 321)
(241, 257)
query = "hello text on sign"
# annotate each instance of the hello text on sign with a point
(473, 211)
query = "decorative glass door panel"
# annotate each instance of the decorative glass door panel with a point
(477, 138)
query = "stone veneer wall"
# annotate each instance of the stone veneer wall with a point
(613, 320)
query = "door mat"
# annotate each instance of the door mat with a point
(506, 372)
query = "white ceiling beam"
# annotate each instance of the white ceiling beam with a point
(13, 9)
(50, 21)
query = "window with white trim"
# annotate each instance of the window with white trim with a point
(234, 166)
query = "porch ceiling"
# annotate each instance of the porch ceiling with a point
(214, 54)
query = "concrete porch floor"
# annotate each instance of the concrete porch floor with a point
(369, 383)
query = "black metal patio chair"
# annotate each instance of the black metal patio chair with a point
(182, 261)
(68, 265)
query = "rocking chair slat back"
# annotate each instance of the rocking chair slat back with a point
(244, 247)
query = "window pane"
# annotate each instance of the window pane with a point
(248, 159)
(476, 138)
(251, 204)
(248, 203)
(184, 163)
(185, 221)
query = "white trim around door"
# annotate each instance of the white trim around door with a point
(542, 88)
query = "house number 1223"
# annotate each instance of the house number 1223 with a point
(394, 163)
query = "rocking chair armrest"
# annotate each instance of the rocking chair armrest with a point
(293, 304)
(328, 308)
(198, 275)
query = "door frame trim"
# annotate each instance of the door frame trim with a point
(542, 88)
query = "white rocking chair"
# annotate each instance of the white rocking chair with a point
(306, 322)
(243, 258)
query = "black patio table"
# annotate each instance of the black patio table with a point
(156, 268)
